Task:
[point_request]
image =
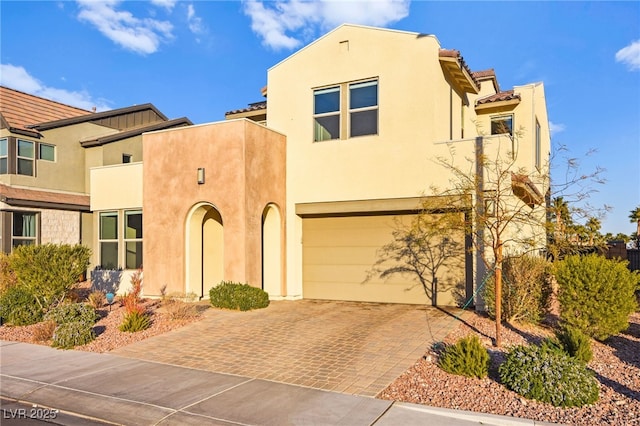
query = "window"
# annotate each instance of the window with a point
(109, 240)
(4, 156)
(538, 146)
(47, 152)
(333, 113)
(26, 151)
(363, 108)
(501, 125)
(126, 158)
(24, 229)
(326, 114)
(133, 239)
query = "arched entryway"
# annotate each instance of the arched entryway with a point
(271, 251)
(204, 253)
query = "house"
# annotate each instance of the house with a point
(47, 150)
(297, 194)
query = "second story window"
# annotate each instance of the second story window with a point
(326, 114)
(538, 146)
(26, 151)
(4, 156)
(46, 152)
(363, 108)
(502, 124)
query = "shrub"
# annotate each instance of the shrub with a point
(7, 276)
(49, 271)
(596, 294)
(43, 331)
(96, 299)
(180, 306)
(467, 357)
(525, 292)
(72, 312)
(131, 300)
(18, 306)
(135, 321)
(71, 334)
(238, 296)
(575, 343)
(547, 375)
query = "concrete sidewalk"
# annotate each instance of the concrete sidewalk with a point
(89, 388)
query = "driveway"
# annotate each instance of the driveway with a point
(349, 347)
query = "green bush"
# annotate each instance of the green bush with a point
(525, 292)
(72, 312)
(135, 321)
(575, 343)
(70, 334)
(238, 296)
(547, 375)
(467, 357)
(49, 271)
(596, 294)
(18, 307)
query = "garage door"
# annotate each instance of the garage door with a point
(340, 256)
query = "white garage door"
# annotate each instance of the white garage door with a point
(339, 258)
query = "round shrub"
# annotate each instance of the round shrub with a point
(71, 312)
(596, 294)
(467, 357)
(575, 343)
(71, 334)
(547, 375)
(18, 306)
(243, 297)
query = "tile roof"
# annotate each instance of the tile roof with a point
(256, 106)
(19, 110)
(484, 74)
(507, 95)
(452, 53)
(37, 198)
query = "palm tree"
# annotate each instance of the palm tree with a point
(634, 217)
(592, 227)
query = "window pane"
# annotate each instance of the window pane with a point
(364, 123)
(501, 125)
(109, 255)
(363, 95)
(134, 255)
(20, 242)
(3, 166)
(25, 149)
(133, 225)
(326, 100)
(25, 167)
(109, 226)
(326, 128)
(24, 225)
(3, 147)
(47, 152)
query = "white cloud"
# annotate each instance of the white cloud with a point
(167, 4)
(555, 128)
(195, 22)
(18, 78)
(630, 55)
(275, 22)
(138, 35)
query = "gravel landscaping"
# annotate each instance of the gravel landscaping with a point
(616, 363)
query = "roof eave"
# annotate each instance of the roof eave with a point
(460, 74)
(178, 122)
(498, 104)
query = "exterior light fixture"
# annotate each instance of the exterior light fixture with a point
(200, 175)
(110, 298)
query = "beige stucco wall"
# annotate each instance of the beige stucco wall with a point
(244, 172)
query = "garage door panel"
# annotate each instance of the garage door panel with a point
(341, 255)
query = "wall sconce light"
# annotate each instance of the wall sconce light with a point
(200, 175)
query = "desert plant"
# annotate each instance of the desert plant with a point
(467, 357)
(596, 294)
(525, 290)
(71, 334)
(575, 343)
(135, 321)
(49, 271)
(548, 375)
(131, 300)
(18, 306)
(72, 312)
(180, 306)
(243, 297)
(43, 331)
(96, 299)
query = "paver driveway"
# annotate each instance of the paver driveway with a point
(349, 347)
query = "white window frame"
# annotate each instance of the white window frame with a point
(29, 239)
(338, 113)
(129, 239)
(31, 159)
(5, 156)
(502, 117)
(101, 239)
(538, 146)
(356, 85)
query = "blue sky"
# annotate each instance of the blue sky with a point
(200, 59)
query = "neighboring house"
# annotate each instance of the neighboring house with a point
(297, 194)
(46, 152)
